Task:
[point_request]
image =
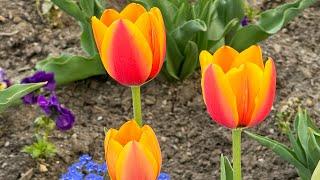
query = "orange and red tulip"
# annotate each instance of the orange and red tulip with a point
(132, 152)
(238, 89)
(132, 43)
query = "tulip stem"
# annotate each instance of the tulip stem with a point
(136, 102)
(236, 153)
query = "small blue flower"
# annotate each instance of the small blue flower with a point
(164, 176)
(93, 177)
(91, 167)
(102, 168)
(72, 176)
(85, 158)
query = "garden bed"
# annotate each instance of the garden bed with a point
(191, 143)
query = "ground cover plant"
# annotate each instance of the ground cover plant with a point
(150, 125)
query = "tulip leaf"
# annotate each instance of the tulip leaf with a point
(174, 58)
(87, 39)
(314, 149)
(187, 31)
(69, 68)
(316, 172)
(88, 7)
(297, 148)
(283, 151)
(191, 60)
(71, 8)
(270, 22)
(226, 171)
(14, 93)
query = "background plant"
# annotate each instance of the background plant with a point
(304, 150)
(191, 27)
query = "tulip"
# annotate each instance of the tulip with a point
(132, 152)
(131, 44)
(238, 89)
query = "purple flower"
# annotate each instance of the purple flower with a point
(51, 107)
(41, 76)
(245, 21)
(65, 119)
(30, 98)
(4, 81)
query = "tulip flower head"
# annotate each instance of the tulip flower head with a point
(131, 44)
(238, 89)
(132, 152)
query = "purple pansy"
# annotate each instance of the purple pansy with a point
(51, 107)
(3, 79)
(245, 21)
(65, 119)
(41, 76)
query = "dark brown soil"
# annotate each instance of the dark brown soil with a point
(191, 143)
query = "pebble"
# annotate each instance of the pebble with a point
(6, 144)
(150, 100)
(2, 19)
(99, 118)
(43, 168)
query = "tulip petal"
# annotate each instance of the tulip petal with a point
(112, 151)
(126, 54)
(99, 30)
(155, 35)
(136, 162)
(224, 57)
(253, 54)
(219, 97)
(132, 11)
(266, 94)
(109, 16)
(129, 131)
(149, 140)
(205, 60)
(245, 82)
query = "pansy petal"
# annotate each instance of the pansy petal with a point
(128, 131)
(126, 54)
(109, 16)
(224, 57)
(266, 94)
(219, 97)
(132, 11)
(136, 162)
(205, 60)
(149, 140)
(99, 29)
(253, 54)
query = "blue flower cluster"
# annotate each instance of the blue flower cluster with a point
(51, 107)
(87, 169)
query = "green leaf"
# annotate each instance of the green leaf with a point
(314, 149)
(270, 22)
(284, 152)
(225, 168)
(316, 173)
(88, 7)
(191, 60)
(297, 148)
(69, 68)
(88, 43)
(71, 8)
(174, 58)
(12, 94)
(187, 31)
(40, 149)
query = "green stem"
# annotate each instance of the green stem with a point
(236, 153)
(136, 102)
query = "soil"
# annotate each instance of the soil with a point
(191, 143)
